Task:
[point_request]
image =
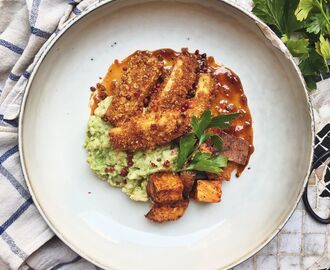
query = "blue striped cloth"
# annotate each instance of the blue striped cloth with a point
(26, 242)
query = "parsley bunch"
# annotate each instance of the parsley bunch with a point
(304, 27)
(189, 157)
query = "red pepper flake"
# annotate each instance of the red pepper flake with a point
(145, 102)
(130, 163)
(124, 171)
(166, 163)
(232, 78)
(153, 165)
(110, 169)
(184, 107)
(230, 107)
(137, 94)
(102, 95)
(92, 88)
(100, 86)
(243, 99)
(130, 159)
(105, 118)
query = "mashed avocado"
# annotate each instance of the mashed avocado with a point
(109, 164)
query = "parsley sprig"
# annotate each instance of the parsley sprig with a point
(190, 157)
(304, 27)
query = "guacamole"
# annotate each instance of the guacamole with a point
(112, 165)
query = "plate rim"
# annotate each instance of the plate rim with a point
(43, 52)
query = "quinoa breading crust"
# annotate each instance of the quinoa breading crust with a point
(177, 84)
(149, 130)
(136, 84)
(156, 128)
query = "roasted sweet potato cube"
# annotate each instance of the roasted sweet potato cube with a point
(164, 187)
(207, 191)
(188, 179)
(162, 212)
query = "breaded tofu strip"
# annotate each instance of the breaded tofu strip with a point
(149, 130)
(156, 128)
(202, 99)
(168, 211)
(176, 85)
(138, 80)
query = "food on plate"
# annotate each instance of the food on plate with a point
(207, 191)
(162, 212)
(164, 187)
(167, 127)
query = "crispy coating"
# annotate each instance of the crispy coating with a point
(164, 187)
(234, 148)
(156, 128)
(149, 130)
(208, 191)
(177, 85)
(188, 180)
(160, 213)
(136, 84)
(203, 96)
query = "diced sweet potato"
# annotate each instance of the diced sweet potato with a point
(226, 173)
(207, 191)
(164, 187)
(234, 148)
(167, 211)
(188, 179)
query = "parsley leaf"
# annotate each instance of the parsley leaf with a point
(279, 14)
(200, 124)
(299, 24)
(304, 7)
(204, 137)
(217, 142)
(222, 121)
(189, 156)
(323, 48)
(316, 24)
(207, 163)
(312, 65)
(186, 146)
(297, 47)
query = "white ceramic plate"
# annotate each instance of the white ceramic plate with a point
(106, 227)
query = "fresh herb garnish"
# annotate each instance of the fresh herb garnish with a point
(189, 157)
(205, 162)
(304, 27)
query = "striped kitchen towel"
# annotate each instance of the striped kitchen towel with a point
(26, 242)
